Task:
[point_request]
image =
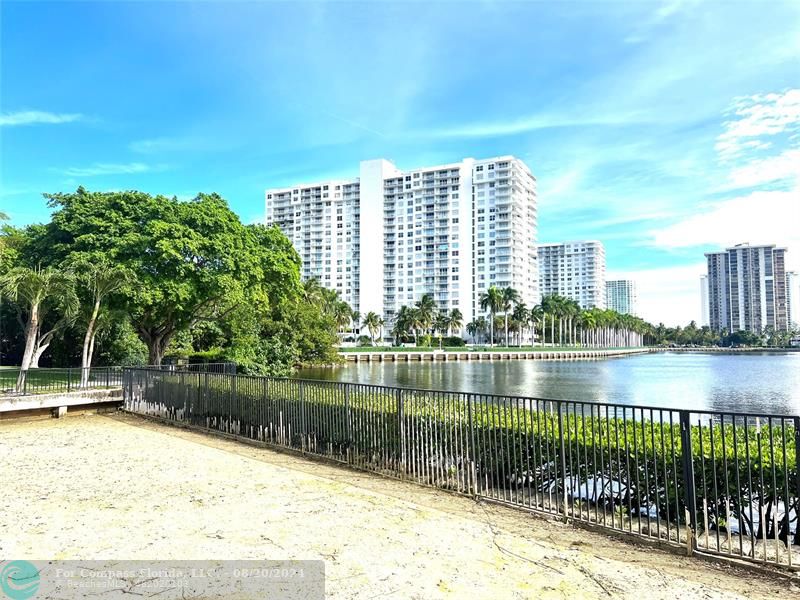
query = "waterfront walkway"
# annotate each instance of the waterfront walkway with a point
(120, 487)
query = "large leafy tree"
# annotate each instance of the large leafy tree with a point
(192, 261)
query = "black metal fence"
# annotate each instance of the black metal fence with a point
(712, 482)
(49, 381)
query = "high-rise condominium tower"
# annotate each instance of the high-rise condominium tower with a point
(747, 288)
(575, 270)
(387, 237)
(621, 296)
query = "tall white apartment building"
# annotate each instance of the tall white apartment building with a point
(621, 296)
(747, 288)
(575, 270)
(322, 221)
(387, 237)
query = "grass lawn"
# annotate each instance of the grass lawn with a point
(44, 381)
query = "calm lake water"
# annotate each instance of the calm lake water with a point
(753, 382)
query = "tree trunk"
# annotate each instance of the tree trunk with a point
(31, 337)
(88, 340)
(39, 351)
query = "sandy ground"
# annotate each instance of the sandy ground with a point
(119, 487)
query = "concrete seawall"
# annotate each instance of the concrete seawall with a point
(58, 404)
(489, 356)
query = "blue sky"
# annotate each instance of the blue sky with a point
(664, 129)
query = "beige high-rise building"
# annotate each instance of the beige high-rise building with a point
(747, 288)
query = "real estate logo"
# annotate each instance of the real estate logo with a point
(19, 580)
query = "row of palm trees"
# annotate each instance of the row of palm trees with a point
(556, 320)
(426, 318)
(576, 326)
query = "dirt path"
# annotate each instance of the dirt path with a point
(96, 487)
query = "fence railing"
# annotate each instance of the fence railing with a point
(713, 482)
(69, 379)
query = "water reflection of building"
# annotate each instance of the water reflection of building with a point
(747, 288)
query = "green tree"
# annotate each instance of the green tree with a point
(37, 294)
(99, 280)
(426, 312)
(492, 301)
(192, 261)
(373, 322)
(510, 297)
(454, 321)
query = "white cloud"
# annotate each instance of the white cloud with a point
(766, 170)
(528, 124)
(670, 294)
(33, 117)
(756, 117)
(111, 169)
(763, 216)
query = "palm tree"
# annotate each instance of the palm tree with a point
(415, 322)
(587, 323)
(373, 322)
(355, 319)
(536, 315)
(491, 300)
(100, 279)
(402, 322)
(571, 311)
(454, 321)
(37, 293)
(482, 325)
(551, 306)
(472, 329)
(521, 316)
(426, 307)
(510, 297)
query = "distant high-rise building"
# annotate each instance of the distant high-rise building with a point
(704, 301)
(575, 270)
(387, 237)
(793, 299)
(747, 288)
(621, 296)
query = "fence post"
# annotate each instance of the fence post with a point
(562, 458)
(688, 480)
(69, 379)
(234, 403)
(796, 477)
(473, 460)
(349, 422)
(401, 429)
(25, 383)
(108, 375)
(302, 428)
